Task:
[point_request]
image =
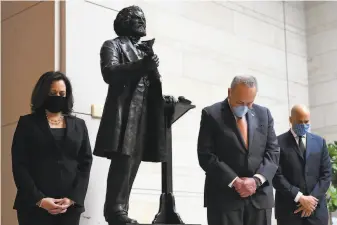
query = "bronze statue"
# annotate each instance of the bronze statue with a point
(132, 128)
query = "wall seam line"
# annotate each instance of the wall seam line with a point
(261, 20)
(15, 14)
(286, 54)
(105, 7)
(57, 35)
(264, 15)
(8, 124)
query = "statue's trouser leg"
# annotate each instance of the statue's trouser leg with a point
(122, 173)
(135, 162)
(138, 153)
(117, 184)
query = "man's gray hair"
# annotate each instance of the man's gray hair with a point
(249, 81)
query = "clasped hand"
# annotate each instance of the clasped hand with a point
(245, 186)
(56, 206)
(307, 205)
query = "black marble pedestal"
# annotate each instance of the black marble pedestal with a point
(167, 214)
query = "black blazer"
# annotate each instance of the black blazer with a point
(311, 175)
(42, 169)
(223, 155)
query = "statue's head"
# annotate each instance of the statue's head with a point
(130, 21)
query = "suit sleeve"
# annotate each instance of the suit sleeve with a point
(84, 166)
(325, 174)
(270, 162)
(113, 70)
(281, 183)
(208, 161)
(20, 166)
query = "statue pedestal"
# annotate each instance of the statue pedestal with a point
(167, 214)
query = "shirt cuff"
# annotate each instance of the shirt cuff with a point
(39, 203)
(231, 184)
(261, 178)
(298, 196)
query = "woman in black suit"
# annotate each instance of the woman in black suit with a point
(51, 157)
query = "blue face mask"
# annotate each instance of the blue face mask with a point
(301, 129)
(240, 111)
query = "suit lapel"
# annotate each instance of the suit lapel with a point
(229, 119)
(309, 145)
(70, 121)
(129, 50)
(294, 144)
(252, 125)
(42, 122)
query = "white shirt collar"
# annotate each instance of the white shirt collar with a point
(295, 135)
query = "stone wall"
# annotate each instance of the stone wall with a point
(201, 46)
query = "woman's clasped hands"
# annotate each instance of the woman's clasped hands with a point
(56, 206)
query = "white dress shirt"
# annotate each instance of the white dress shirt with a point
(304, 140)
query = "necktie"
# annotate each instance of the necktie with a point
(301, 145)
(242, 125)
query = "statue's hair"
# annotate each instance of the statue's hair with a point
(122, 21)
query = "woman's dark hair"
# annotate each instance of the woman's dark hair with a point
(42, 89)
(122, 21)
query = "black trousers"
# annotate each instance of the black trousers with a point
(248, 215)
(297, 220)
(39, 216)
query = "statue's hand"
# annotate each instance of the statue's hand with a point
(169, 99)
(169, 106)
(182, 99)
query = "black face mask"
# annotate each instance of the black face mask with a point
(55, 104)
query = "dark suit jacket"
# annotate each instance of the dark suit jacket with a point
(42, 169)
(311, 175)
(223, 156)
(122, 69)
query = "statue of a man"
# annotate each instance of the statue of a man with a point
(132, 128)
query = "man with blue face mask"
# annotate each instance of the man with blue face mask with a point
(238, 150)
(304, 174)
